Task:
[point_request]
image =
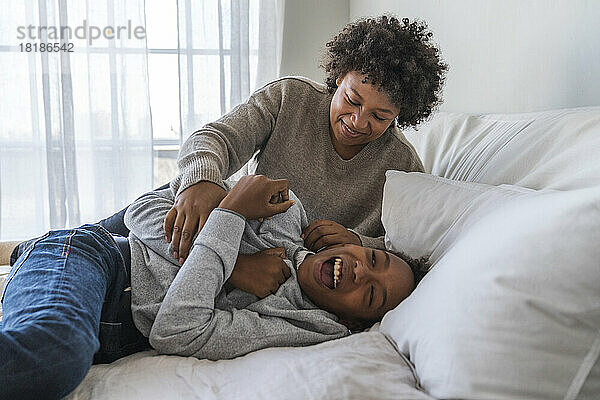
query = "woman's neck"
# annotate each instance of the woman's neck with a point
(344, 151)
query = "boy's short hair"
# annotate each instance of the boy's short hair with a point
(419, 266)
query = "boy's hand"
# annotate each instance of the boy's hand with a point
(253, 197)
(261, 273)
(325, 233)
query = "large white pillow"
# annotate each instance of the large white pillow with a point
(555, 149)
(511, 309)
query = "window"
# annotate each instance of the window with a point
(202, 60)
(78, 141)
(163, 81)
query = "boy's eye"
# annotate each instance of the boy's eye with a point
(373, 260)
(371, 296)
(380, 119)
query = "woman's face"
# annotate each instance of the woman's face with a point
(370, 282)
(359, 113)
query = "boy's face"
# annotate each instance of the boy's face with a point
(371, 282)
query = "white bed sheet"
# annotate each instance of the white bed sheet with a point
(361, 366)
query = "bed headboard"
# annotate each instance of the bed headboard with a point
(509, 55)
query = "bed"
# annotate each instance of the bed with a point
(510, 308)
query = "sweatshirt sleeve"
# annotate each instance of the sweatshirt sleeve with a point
(285, 229)
(145, 219)
(189, 324)
(220, 148)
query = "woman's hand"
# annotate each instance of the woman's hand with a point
(324, 233)
(254, 197)
(189, 214)
(261, 273)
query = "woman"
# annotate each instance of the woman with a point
(333, 142)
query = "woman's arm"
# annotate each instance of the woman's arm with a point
(372, 242)
(220, 148)
(212, 154)
(324, 233)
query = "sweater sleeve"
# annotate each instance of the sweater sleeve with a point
(371, 242)
(220, 148)
(153, 266)
(189, 324)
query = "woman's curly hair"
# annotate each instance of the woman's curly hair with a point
(399, 57)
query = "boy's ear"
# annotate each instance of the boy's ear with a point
(353, 326)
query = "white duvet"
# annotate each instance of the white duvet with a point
(361, 366)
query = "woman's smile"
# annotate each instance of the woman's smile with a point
(350, 133)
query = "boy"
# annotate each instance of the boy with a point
(186, 310)
(64, 283)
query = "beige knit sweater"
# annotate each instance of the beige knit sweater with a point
(286, 123)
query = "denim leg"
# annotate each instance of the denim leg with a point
(52, 303)
(20, 249)
(116, 222)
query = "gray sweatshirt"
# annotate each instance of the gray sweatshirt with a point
(187, 310)
(286, 123)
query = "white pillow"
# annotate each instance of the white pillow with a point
(511, 309)
(419, 210)
(555, 149)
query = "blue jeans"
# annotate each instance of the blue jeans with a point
(114, 224)
(53, 301)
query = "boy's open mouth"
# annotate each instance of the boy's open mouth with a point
(331, 272)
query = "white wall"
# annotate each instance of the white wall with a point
(308, 25)
(510, 55)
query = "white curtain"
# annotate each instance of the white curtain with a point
(227, 49)
(76, 132)
(76, 129)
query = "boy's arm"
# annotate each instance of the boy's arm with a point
(145, 218)
(284, 230)
(188, 323)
